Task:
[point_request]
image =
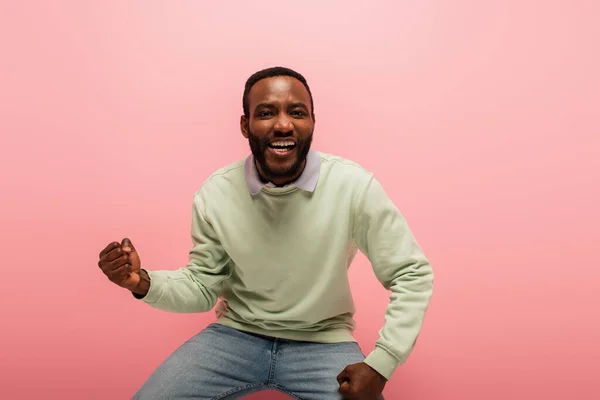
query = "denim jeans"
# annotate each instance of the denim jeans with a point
(224, 363)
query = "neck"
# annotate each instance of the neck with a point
(279, 181)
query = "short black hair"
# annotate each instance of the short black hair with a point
(271, 73)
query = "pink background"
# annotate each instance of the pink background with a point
(480, 118)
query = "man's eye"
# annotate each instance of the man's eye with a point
(264, 113)
(298, 113)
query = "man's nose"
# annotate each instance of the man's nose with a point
(283, 124)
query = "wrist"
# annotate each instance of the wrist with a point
(143, 286)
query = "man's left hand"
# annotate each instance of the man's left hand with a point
(361, 382)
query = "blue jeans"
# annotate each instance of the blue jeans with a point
(224, 363)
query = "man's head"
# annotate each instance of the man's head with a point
(278, 122)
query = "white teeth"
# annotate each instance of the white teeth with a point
(282, 143)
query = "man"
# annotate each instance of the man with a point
(273, 237)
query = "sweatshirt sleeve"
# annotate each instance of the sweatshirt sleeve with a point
(196, 287)
(383, 235)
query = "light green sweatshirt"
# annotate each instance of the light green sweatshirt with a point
(279, 259)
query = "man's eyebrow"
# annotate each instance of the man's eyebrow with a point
(270, 105)
(293, 105)
(264, 105)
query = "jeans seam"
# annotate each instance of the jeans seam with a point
(273, 363)
(237, 389)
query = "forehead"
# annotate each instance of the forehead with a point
(279, 89)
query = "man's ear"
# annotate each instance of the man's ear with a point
(244, 126)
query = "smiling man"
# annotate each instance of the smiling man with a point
(273, 238)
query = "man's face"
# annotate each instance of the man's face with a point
(279, 127)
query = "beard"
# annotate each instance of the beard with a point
(259, 147)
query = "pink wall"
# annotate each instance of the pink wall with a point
(480, 118)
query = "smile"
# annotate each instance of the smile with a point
(282, 146)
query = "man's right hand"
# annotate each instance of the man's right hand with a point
(121, 264)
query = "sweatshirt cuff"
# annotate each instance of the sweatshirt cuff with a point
(156, 290)
(383, 362)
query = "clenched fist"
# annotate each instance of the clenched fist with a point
(361, 382)
(120, 262)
